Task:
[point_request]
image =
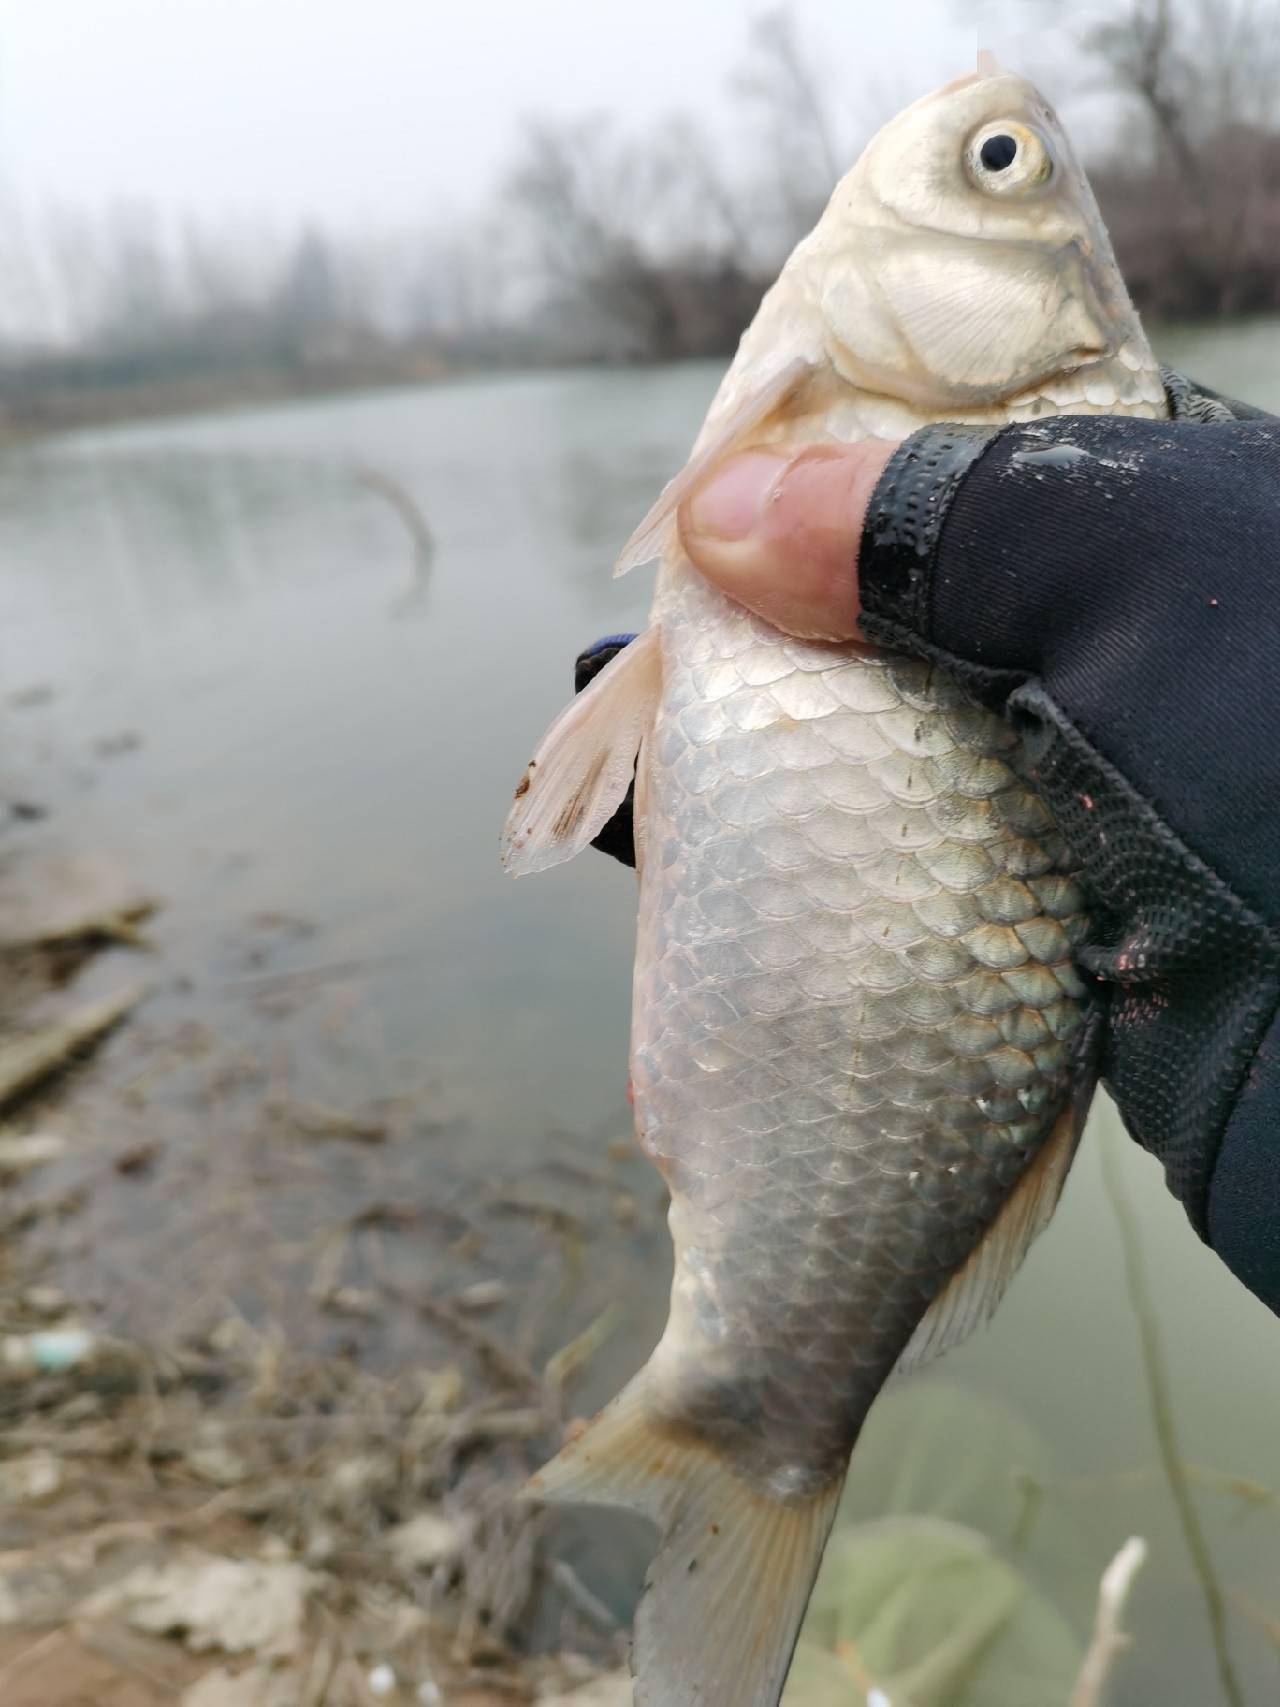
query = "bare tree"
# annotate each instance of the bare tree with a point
(218, 271)
(790, 114)
(1146, 56)
(1195, 210)
(458, 281)
(590, 201)
(666, 249)
(28, 308)
(140, 295)
(308, 298)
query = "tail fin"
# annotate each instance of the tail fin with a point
(728, 1586)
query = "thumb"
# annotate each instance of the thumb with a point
(780, 534)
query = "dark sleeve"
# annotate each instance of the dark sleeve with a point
(1113, 587)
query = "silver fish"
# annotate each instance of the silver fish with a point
(858, 1041)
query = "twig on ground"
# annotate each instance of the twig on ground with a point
(37, 1649)
(315, 1120)
(1108, 1638)
(88, 1542)
(491, 1350)
(26, 1062)
(564, 1364)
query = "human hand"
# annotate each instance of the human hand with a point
(780, 533)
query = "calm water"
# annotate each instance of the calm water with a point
(325, 764)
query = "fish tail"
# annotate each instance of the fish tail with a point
(727, 1589)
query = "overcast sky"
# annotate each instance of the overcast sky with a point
(377, 113)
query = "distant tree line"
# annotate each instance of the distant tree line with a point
(1192, 189)
(662, 253)
(607, 246)
(653, 247)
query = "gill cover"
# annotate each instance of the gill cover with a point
(963, 259)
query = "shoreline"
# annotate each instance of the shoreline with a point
(71, 407)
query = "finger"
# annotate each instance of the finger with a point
(780, 533)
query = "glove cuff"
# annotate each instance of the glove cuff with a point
(904, 523)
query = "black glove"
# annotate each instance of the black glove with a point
(1112, 586)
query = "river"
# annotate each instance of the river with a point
(221, 665)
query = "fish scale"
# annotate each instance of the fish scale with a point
(915, 1080)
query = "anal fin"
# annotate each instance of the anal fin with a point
(727, 1589)
(583, 767)
(974, 1290)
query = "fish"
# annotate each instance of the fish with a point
(861, 1051)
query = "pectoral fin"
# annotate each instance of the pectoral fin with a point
(583, 767)
(649, 539)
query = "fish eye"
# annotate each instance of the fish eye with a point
(997, 152)
(1006, 158)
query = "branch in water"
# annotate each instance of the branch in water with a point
(420, 536)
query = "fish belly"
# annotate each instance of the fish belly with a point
(854, 1017)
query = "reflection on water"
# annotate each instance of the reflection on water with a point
(229, 588)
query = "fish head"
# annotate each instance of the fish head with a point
(963, 260)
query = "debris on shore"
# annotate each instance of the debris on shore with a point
(239, 1509)
(174, 1510)
(272, 1378)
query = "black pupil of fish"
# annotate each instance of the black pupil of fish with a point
(999, 152)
